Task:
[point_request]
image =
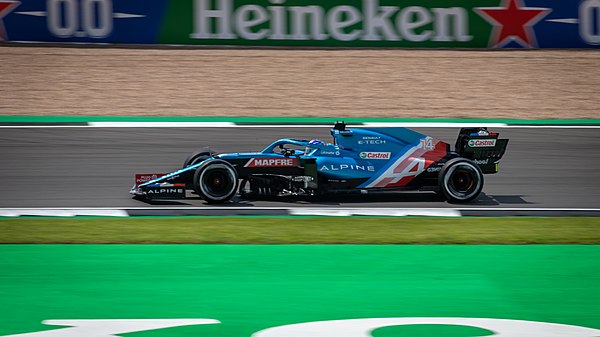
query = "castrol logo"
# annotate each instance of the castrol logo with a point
(375, 155)
(482, 143)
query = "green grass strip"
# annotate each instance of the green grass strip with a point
(283, 120)
(291, 230)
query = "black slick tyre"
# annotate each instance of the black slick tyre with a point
(197, 157)
(460, 180)
(216, 181)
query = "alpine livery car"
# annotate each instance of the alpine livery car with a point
(360, 160)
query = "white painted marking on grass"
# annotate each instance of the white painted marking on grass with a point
(110, 327)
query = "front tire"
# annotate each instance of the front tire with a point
(216, 181)
(460, 180)
(197, 157)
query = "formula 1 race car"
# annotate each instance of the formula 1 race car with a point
(359, 160)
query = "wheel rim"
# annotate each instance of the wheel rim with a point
(463, 181)
(218, 182)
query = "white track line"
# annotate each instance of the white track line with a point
(445, 212)
(209, 125)
(431, 125)
(43, 126)
(161, 124)
(551, 126)
(319, 211)
(62, 212)
(474, 124)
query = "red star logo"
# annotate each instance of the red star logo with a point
(5, 8)
(512, 22)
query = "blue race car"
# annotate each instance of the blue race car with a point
(360, 160)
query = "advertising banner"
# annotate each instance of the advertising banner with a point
(307, 23)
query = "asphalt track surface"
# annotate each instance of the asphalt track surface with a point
(94, 167)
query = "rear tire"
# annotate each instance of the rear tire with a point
(460, 180)
(216, 181)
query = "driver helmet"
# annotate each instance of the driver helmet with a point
(313, 143)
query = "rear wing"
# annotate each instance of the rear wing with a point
(482, 147)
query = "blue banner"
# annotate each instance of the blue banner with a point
(85, 21)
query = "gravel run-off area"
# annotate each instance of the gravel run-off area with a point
(528, 84)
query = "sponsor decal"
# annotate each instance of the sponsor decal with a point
(369, 22)
(86, 20)
(375, 155)
(371, 140)
(336, 328)
(412, 163)
(144, 178)
(166, 191)
(434, 169)
(482, 143)
(344, 167)
(336, 153)
(481, 161)
(272, 162)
